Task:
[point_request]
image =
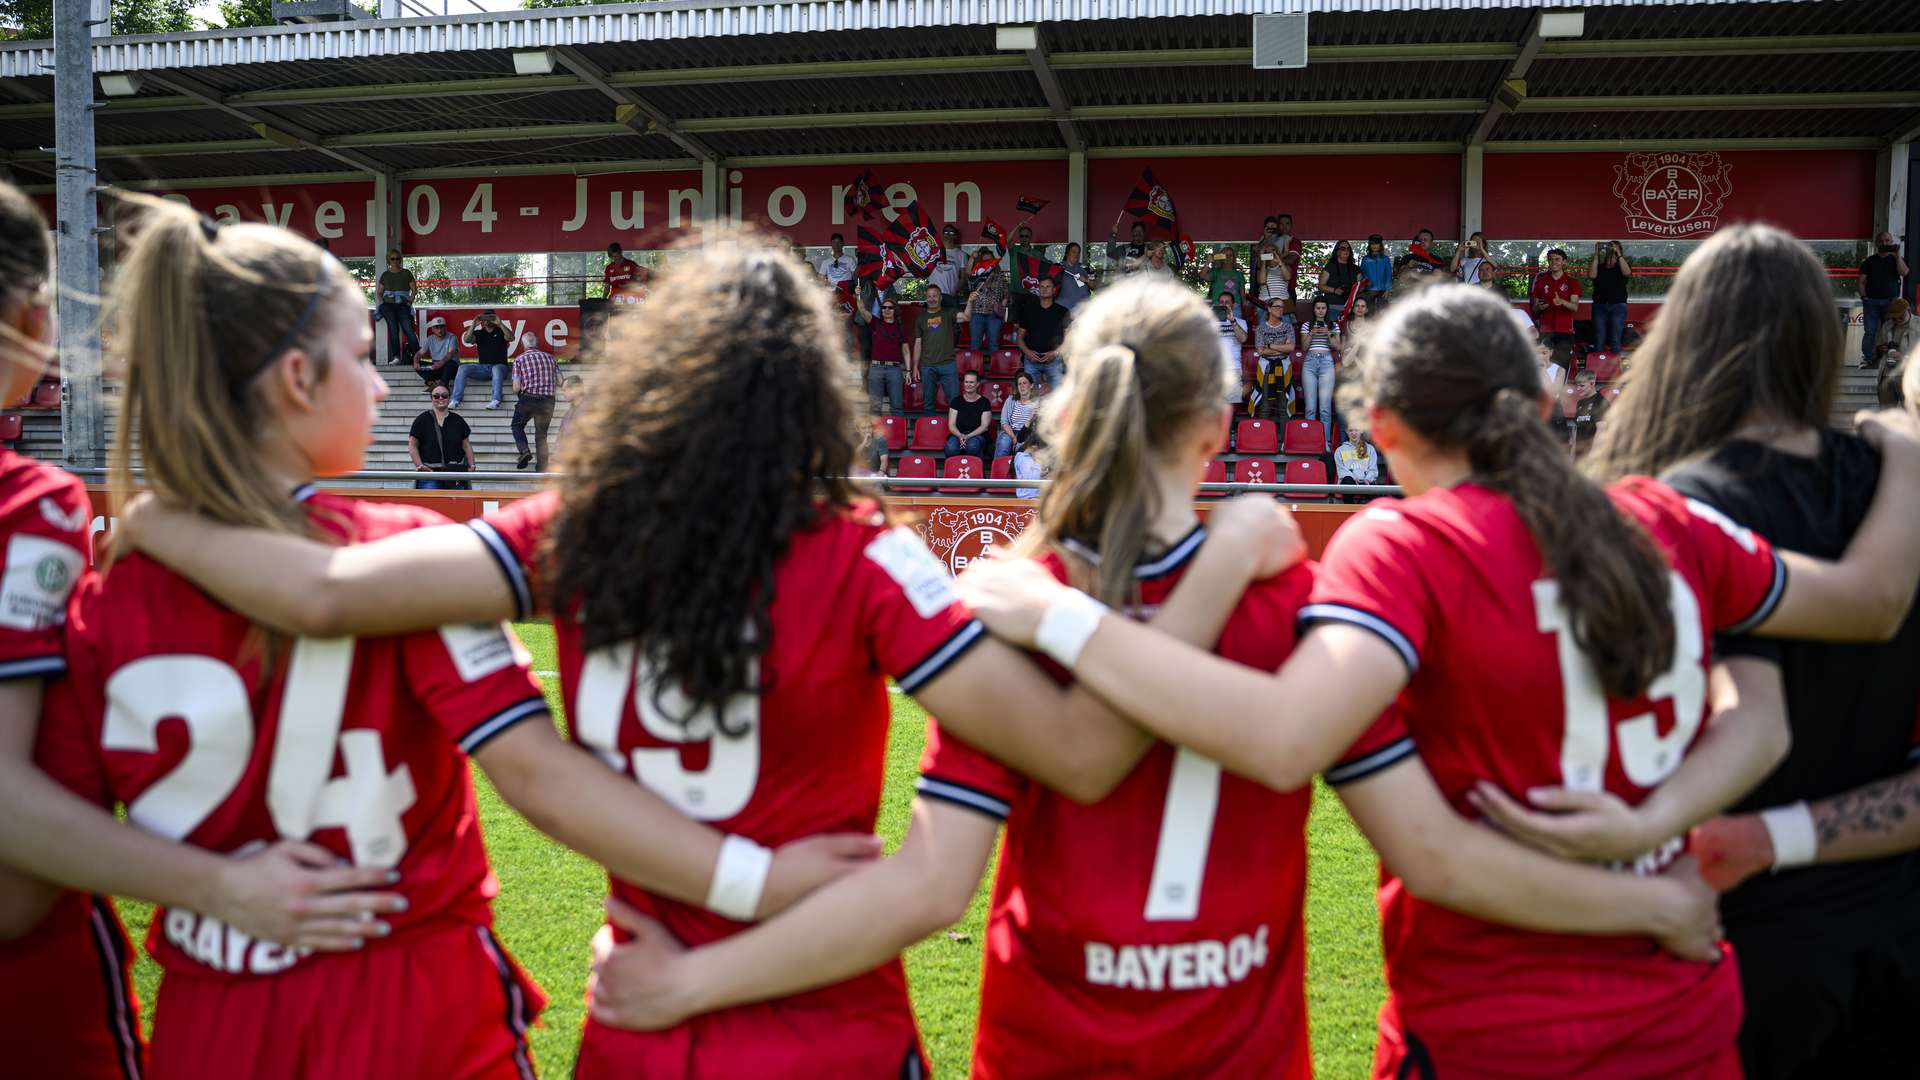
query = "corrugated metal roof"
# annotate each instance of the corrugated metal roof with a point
(187, 167)
(545, 152)
(364, 71)
(1277, 131)
(794, 48)
(1332, 82)
(496, 110)
(987, 139)
(1779, 73)
(1748, 19)
(799, 97)
(1703, 124)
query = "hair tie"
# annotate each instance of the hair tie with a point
(209, 228)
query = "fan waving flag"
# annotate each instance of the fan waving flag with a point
(1029, 270)
(1154, 207)
(871, 262)
(991, 230)
(908, 246)
(865, 195)
(1027, 204)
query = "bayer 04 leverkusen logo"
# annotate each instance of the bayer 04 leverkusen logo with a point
(922, 251)
(960, 535)
(1672, 195)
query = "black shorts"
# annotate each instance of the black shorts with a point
(1833, 996)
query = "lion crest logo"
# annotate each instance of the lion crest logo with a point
(1160, 204)
(1672, 195)
(959, 535)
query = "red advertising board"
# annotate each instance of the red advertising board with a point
(555, 329)
(808, 204)
(1817, 195)
(1330, 197)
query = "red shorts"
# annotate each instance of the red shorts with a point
(442, 1001)
(768, 1041)
(67, 1008)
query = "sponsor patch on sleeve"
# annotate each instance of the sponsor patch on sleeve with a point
(481, 649)
(39, 576)
(907, 561)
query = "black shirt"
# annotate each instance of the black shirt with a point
(1609, 284)
(491, 344)
(442, 444)
(1851, 707)
(1045, 327)
(1880, 277)
(1587, 416)
(970, 413)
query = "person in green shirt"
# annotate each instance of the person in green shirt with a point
(932, 348)
(396, 308)
(1225, 275)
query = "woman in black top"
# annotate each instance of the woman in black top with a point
(1339, 277)
(440, 442)
(1609, 269)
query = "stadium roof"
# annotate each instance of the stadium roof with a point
(674, 83)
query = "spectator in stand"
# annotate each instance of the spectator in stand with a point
(839, 265)
(1357, 317)
(396, 308)
(1470, 261)
(1225, 276)
(1609, 270)
(1339, 277)
(888, 352)
(1043, 329)
(1160, 260)
(1322, 336)
(535, 378)
(1288, 245)
(1130, 257)
(1880, 277)
(573, 391)
(1419, 259)
(440, 442)
(1030, 463)
(1076, 281)
(488, 339)
(1589, 413)
(1556, 296)
(933, 349)
(1356, 462)
(1273, 276)
(1897, 332)
(1273, 351)
(438, 360)
(1894, 376)
(968, 417)
(951, 268)
(986, 307)
(1553, 377)
(1377, 268)
(625, 279)
(1016, 415)
(1233, 336)
(1020, 293)
(1490, 277)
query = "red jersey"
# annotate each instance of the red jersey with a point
(1500, 691)
(172, 708)
(1556, 319)
(622, 276)
(854, 601)
(1159, 931)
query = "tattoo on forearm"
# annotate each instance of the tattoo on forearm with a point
(1880, 808)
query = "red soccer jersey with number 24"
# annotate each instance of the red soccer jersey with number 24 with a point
(1500, 691)
(1157, 932)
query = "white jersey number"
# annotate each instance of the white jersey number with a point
(1646, 756)
(715, 793)
(1186, 835)
(211, 699)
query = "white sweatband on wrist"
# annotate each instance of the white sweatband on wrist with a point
(1067, 626)
(739, 876)
(1795, 841)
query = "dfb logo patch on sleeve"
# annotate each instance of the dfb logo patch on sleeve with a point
(908, 562)
(39, 576)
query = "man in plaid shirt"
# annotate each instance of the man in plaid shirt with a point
(534, 377)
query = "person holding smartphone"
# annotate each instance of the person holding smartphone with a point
(1609, 270)
(489, 339)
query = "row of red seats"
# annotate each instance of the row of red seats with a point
(1307, 437)
(968, 467)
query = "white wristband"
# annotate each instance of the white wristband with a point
(1795, 841)
(1067, 626)
(739, 876)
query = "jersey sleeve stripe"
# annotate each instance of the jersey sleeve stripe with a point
(1366, 620)
(510, 566)
(33, 667)
(1768, 603)
(961, 795)
(942, 657)
(483, 732)
(1360, 768)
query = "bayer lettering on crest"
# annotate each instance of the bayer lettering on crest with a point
(1672, 194)
(959, 535)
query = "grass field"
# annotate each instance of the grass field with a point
(549, 908)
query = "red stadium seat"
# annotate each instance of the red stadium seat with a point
(1009, 336)
(1605, 366)
(1256, 437)
(996, 392)
(1003, 364)
(1216, 474)
(962, 334)
(46, 395)
(1002, 469)
(1256, 471)
(1613, 393)
(962, 467)
(10, 426)
(913, 399)
(894, 430)
(1569, 401)
(1306, 471)
(929, 433)
(940, 399)
(1305, 437)
(968, 360)
(915, 466)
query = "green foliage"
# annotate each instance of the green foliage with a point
(238, 13)
(34, 18)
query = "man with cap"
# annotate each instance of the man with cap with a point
(489, 339)
(439, 356)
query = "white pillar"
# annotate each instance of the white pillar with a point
(1472, 184)
(1077, 200)
(713, 198)
(389, 225)
(1890, 172)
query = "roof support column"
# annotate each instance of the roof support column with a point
(1473, 162)
(388, 232)
(1890, 175)
(1077, 200)
(1513, 85)
(77, 303)
(713, 198)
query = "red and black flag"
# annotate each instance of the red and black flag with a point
(843, 299)
(980, 272)
(908, 246)
(1028, 270)
(1027, 204)
(1154, 207)
(871, 262)
(865, 196)
(991, 230)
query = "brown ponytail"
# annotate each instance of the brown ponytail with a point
(23, 273)
(1143, 364)
(1453, 363)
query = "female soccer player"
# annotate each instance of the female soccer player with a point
(1515, 624)
(215, 732)
(66, 1000)
(724, 636)
(1157, 932)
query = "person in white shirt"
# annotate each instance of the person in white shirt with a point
(1027, 464)
(1233, 339)
(1016, 414)
(1356, 462)
(839, 266)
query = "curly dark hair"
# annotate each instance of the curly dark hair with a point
(719, 427)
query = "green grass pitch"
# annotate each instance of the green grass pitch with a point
(549, 908)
